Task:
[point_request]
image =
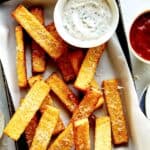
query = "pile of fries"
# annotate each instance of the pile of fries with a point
(37, 117)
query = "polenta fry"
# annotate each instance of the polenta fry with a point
(100, 102)
(65, 66)
(38, 32)
(33, 79)
(66, 96)
(88, 67)
(115, 111)
(63, 62)
(81, 134)
(103, 134)
(45, 129)
(76, 58)
(30, 129)
(38, 13)
(87, 105)
(27, 110)
(21, 60)
(65, 140)
(47, 102)
(38, 54)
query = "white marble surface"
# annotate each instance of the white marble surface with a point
(141, 71)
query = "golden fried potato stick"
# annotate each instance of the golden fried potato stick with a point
(103, 134)
(20, 58)
(38, 54)
(45, 129)
(81, 134)
(38, 32)
(88, 67)
(115, 111)
(63, 62)
(47, 102)
(59, 87)
(27, 110)
(65, 140)
(30, 129)
(76, 58)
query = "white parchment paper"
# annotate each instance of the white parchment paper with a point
(112, 65)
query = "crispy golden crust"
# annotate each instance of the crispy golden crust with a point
(103, 134)
(38, 54)
(38, 58)
(38, 32)
(100, 102)
(59, 126)
(66, 96)
(20, 58)
(81, 134)
(51, 28)
(76, 58)
(47, 102)
(64, 141)
(88, 67)
(45, 129)
(38, 13)
(27, 110)
(87, 105)
(33, 79)
(30, 129)
(115, 110)
(94, 84)
(63, 62)
(65, 67)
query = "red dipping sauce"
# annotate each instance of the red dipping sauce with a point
(140, 36)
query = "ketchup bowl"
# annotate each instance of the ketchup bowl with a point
(139, 37)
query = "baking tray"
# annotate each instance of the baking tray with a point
(112, 65)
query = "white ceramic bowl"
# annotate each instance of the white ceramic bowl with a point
(87, 43)
(130, 46)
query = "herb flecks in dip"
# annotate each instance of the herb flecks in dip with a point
(87, 19)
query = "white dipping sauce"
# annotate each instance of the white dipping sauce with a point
(87, 19)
